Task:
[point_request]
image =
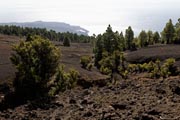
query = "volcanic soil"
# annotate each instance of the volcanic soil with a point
(136, 98)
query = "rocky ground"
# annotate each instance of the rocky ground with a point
(132, 99)
(95, 98)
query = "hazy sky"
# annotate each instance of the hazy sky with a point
(94, 15)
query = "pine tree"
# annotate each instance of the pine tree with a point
(143, 39)
(98, 50)
(150, 40)
(36, 62)
(66, 41)
(129, 36)
(122, 41)
(168, 32)
(156, 37)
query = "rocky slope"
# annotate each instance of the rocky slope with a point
(137, 98)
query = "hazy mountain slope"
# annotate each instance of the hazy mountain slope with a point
(57, 26)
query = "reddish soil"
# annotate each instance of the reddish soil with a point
(137, 98)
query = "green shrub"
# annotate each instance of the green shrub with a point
(123, 72)
(105, 70)
(114, 63)
(106, 64)
(150, 66)
(73, 78)
(132, 68)
(155, 73)
(89, 66)
(36, 62)
(168, 68)
(164, 72)
(85, 61)
(158, 64)
(60, 81)
(142, 67)
(155, 69)
(64, 80)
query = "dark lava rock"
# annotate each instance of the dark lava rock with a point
(160, 89)
(147, 117)
(85, 102)
(88, 114)
(175, 87)
(144, 117)
(81, 108)
(123, 85)
(4, 88)
(84, 83)
(119, 106)
(154, 112)
(32, 115)
(87, 92)
(97, 106)
(58, 104)
(72, 101)
(176, 90)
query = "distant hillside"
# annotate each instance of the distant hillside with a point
(57, 26)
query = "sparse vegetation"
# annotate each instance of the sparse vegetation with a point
(155, 69)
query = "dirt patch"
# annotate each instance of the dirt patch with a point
(6, 68)
(70, 57)
(154, 52)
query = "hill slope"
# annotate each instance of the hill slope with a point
(57, 26)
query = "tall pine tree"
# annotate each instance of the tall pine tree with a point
(168, 32)
(129, 36)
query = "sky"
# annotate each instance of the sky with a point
(94, 15)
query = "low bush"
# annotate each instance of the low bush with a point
(64, 80)
(155, 69)
(132, 68)
(168, 67)
(155, 73)
(86, 61)
(107, 64)
(105, 70)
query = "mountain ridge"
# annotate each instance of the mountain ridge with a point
(56, 26)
